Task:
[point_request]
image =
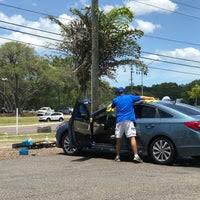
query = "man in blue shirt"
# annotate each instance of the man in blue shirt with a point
(125, 118)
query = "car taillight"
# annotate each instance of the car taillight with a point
(193, 125)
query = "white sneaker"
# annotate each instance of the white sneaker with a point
(117, 159)
(137, 159)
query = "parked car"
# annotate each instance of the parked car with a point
(165, 130)
(57, 116)
(44, 110)
(66, 111)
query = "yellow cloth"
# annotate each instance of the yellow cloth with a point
(150, 101)
(110, 109)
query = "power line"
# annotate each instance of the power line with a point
(54, 33)
(141, 57)
(45, 14)
(44, 37)
(28, 27)
(172, 40)
(169, 62)
(31, 11)
(54, 49)
(177, 12)
(37, 45)
(173, 57)
(171, 70)
(186, 5)
(50, 48)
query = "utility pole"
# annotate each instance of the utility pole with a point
(132, 78)
(142, 82)
(95, 56)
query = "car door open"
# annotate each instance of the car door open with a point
(81, 123)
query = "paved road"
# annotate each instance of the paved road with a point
(28, 128)
(73, 178)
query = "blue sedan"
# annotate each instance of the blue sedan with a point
(165, 131)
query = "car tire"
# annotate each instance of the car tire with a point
(61, 119)
(48, 120)
(71, 151)
(196, 157)
(162, 151)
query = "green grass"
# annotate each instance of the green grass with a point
(5, 121)
(22, 120)
(8, 140)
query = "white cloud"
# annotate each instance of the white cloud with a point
(156, 76)
(187, 53)
(83, 2)
(108, 8)
(142, 9)
(146, 27)
(42, 23)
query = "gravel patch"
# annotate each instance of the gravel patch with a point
(8, 153)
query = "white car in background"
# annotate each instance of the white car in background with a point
(44, 110)
(56, 116)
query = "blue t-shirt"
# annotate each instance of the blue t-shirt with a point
(124, 107)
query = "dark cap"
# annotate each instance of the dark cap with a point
(120, 90)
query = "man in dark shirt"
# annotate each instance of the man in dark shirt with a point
(125, 119)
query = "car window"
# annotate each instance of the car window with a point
(185, 109)
(143, 111)
(56, 114)
(163, 114)
(81, 111)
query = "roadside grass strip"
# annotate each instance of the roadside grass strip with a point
(8, 140)
(6, 121)
(22, 120)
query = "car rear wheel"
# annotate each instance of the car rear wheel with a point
(162, 151)
(67, 147)
(61, 119)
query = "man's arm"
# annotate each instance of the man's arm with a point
(147, 98)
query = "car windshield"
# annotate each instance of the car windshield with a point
(185, 109)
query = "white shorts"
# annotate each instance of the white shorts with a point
(126, 127)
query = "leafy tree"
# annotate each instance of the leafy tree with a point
(160, 90)
(61, 87)
(117, 42)
(20, 65)
(195, 93)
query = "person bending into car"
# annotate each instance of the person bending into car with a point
(125, 119)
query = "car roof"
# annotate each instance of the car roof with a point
(168, 106)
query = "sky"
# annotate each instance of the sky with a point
(176, 20)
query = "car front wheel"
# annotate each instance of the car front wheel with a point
(67, 147)
(162, 151)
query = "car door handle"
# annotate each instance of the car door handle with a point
(150, 126)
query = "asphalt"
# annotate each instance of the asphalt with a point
(96, 177)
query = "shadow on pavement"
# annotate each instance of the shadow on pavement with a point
(86, 155)
(190, 162)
